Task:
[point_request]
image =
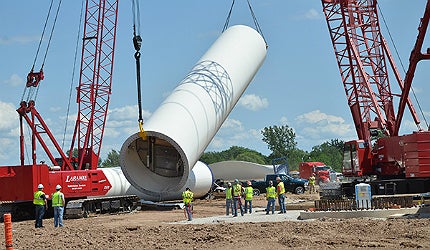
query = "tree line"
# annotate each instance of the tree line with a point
(280, 140)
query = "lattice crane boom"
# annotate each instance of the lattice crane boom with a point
(361, 53)
(95, 80)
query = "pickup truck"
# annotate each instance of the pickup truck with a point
(293, 185)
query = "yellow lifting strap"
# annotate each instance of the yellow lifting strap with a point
(142, 133)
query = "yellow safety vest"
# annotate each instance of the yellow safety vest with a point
(249, 192)
(237, 190)
(228, 195)
(57, 201)
(281, 188)
(271, 192)
(312, 180)
(187, 197)
(38, 198)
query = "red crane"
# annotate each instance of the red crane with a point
(79, 176)
(364, 61)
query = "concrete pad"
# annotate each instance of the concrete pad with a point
(258, 215)
(377, 213)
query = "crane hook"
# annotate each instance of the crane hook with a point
(141, 133)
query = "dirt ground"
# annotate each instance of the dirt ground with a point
(147, 229)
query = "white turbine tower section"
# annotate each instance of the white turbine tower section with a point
(179, 131)
(242, 170)
(200, 181)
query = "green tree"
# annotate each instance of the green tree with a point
(295, 156)
(329, 152)
(280, 140)
(112, 160)
(251, 157)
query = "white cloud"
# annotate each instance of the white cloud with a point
(232, 124)
(416, 90)
(317, 117)
(8, 147)
(253, 102)
(8, 116)
(126, 113)
(233, 133)
(315, 127)
(14, 80)
(18, 39)
(284, 120)
(312, 14)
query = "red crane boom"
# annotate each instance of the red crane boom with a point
(79, 177)
(95, 80)
(362, 55)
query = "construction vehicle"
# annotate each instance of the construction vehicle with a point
(319, 169)
(391, 163)
(84, 184)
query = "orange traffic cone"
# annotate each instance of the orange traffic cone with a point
(8, 230)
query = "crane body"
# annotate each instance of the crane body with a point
(79, 176)
(380, 155)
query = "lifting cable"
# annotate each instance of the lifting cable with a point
(33, 78)
(403, 67)
(137, 43)
(254, 18)
(73, 74)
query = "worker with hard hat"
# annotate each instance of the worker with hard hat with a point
(58, 203)
(249, 193)
(270, 197)
(312, 183)
(280, 191)
(187, 197)
(41, 204)
(237, 197)
(228, 199)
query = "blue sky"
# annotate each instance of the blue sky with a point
(299, 83)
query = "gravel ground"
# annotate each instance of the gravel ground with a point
(211, 228)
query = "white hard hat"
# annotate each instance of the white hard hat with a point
(58, 187)
(40, 186)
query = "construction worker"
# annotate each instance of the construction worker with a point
(187, 197)
(237, 194)
(312, 183)
(228, 199)
(41, 204)
(249, 193)
(280, 191)
(270, 197)
(58, 203)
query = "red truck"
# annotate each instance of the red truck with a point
(321, 171)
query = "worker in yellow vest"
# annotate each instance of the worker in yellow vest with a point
(187, 197)
(249, 193)
(237, 197)
(270, 197)
(228, 199)
(58, 203)
(41, 204)
(312, 183)
(280, 191)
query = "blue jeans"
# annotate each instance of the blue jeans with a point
(228, 206)
(39, 213)
(281, 200)
(189, 211)
(237, 202)
(248, 206)
(270, 202)
(58, 216)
